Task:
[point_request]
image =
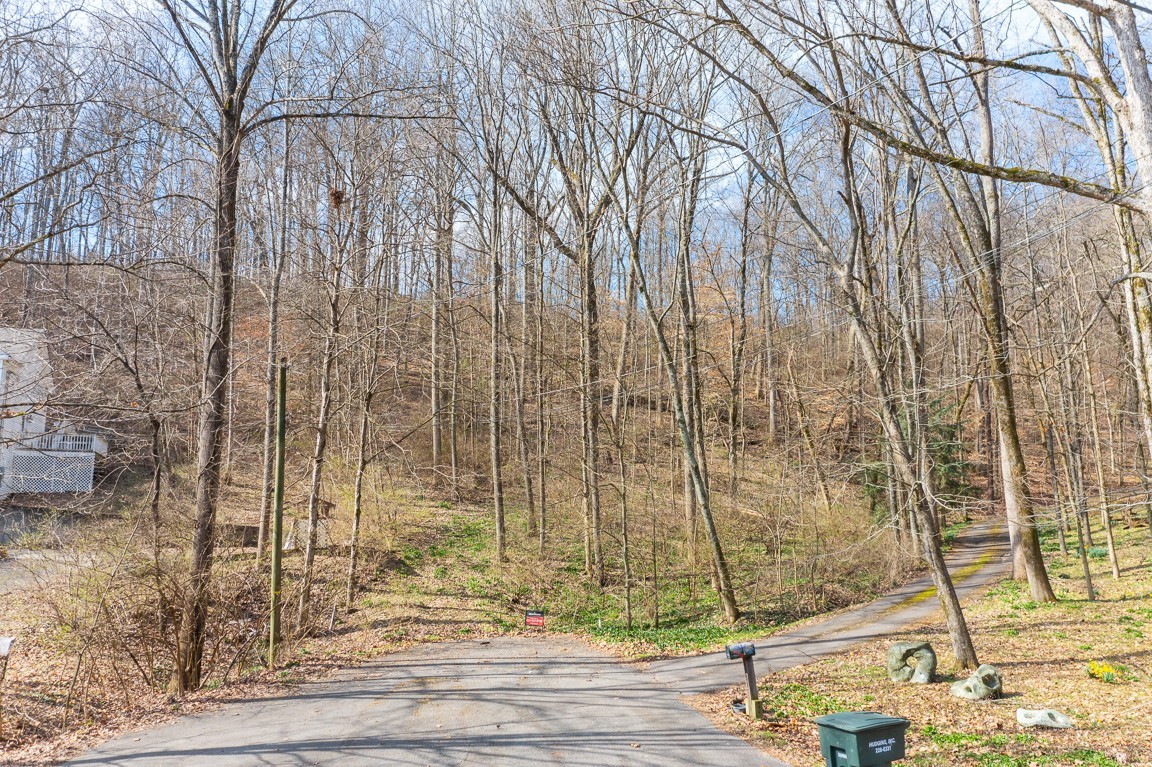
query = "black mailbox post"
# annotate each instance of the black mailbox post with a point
(861, 739)
(745, 651)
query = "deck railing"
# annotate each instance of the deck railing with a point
(78, 443)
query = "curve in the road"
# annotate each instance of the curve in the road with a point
(980, 557)
(520, 701)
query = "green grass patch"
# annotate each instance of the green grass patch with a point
(960, 744)
(941, 738)
(679, 638)
(950, 533)
(798, 701)
(1085, 757)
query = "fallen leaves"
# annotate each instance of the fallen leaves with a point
(1042, 652)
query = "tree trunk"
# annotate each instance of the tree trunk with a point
(213, 406)
(362, 459)
(320, 450)
(590, 411)
(724, 589)
(495, 457)
(441, 255)
(280, 253)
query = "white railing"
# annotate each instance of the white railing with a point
(78, 443)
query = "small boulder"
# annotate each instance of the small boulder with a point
(911, 662)
(982, 685)
(1044, 717)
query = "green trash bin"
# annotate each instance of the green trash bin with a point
(861, 739)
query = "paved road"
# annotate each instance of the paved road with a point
(980, 557)
(23, 569)
(510, 702)
(519, 702)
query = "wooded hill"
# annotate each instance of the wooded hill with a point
(707, 296)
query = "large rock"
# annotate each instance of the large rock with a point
(1044, 717)
(982, 685)
(911, 662)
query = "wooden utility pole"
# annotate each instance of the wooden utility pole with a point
(278, 510)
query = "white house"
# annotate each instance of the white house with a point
(38, 455)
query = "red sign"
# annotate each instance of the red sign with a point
(534, 618)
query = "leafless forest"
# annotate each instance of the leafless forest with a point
(734, 307)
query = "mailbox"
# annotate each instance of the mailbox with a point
(740, 651)
(861, 739)
(744, 652)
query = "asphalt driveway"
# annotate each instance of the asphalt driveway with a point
(522, 701)
(508, 702)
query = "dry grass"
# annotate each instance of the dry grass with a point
(401, 604)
